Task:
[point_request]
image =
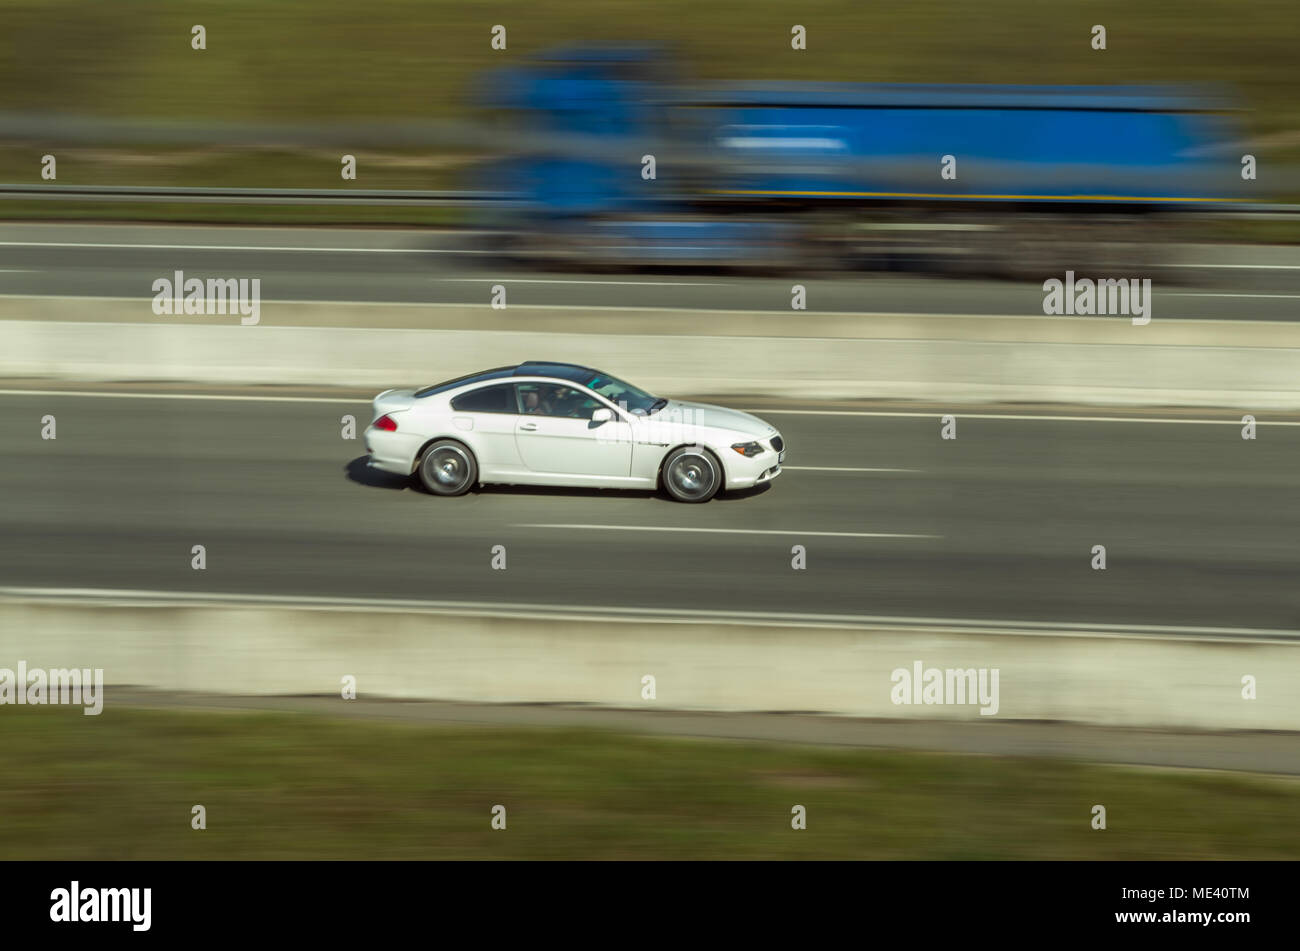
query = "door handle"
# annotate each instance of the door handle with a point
(528, 427)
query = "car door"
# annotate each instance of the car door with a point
(556, 435)
(489, 414)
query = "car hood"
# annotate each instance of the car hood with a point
(684, 413)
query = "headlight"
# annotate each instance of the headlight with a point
(747, 448)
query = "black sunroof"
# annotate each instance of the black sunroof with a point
(495, 374)
(565, 371)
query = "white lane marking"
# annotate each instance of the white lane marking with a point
(187, 396)
(716, 531)
(1208, 294)
(515, 280)
(257, 247)
(16, 270)
(100, 394)
(650, 615)
(840, 469)
(1014, 416)
(1245, 267)
(234, 247)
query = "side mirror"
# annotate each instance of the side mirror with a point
(602, 414)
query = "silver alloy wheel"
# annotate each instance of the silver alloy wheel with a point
(448, 467)
(692, 475)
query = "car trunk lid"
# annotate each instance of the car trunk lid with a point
(393, 401)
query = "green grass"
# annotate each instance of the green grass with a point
(280, 786)
(335, 60)
(318, 59)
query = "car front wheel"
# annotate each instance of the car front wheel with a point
(692, 474)
(448, 468)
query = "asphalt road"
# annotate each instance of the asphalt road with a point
(1200, 526)
(1225, 283)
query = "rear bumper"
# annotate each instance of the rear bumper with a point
(391, 452)
(395, 466)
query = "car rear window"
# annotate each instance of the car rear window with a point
(489, 399)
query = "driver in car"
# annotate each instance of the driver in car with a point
(566, 401)
(557, 401)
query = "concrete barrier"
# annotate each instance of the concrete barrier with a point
(407, 652)
(1252, 367)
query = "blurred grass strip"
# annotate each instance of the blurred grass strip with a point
(294, 786)
(324, 60)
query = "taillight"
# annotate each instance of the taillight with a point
(386, 423)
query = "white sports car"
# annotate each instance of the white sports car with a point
(560, 424)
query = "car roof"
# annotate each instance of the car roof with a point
(480, 377)
(564, 371)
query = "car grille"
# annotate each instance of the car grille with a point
(778, 443)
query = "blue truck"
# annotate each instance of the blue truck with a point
(612, 162)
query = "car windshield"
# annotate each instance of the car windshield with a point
(637, 401)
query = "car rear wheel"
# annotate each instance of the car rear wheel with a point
(692, 474)
(448, 468)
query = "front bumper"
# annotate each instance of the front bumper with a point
(745, 473)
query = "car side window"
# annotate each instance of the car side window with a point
(554, 399)
(488, 399)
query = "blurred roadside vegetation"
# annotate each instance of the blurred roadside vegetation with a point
(335, 60)
(300, 786)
